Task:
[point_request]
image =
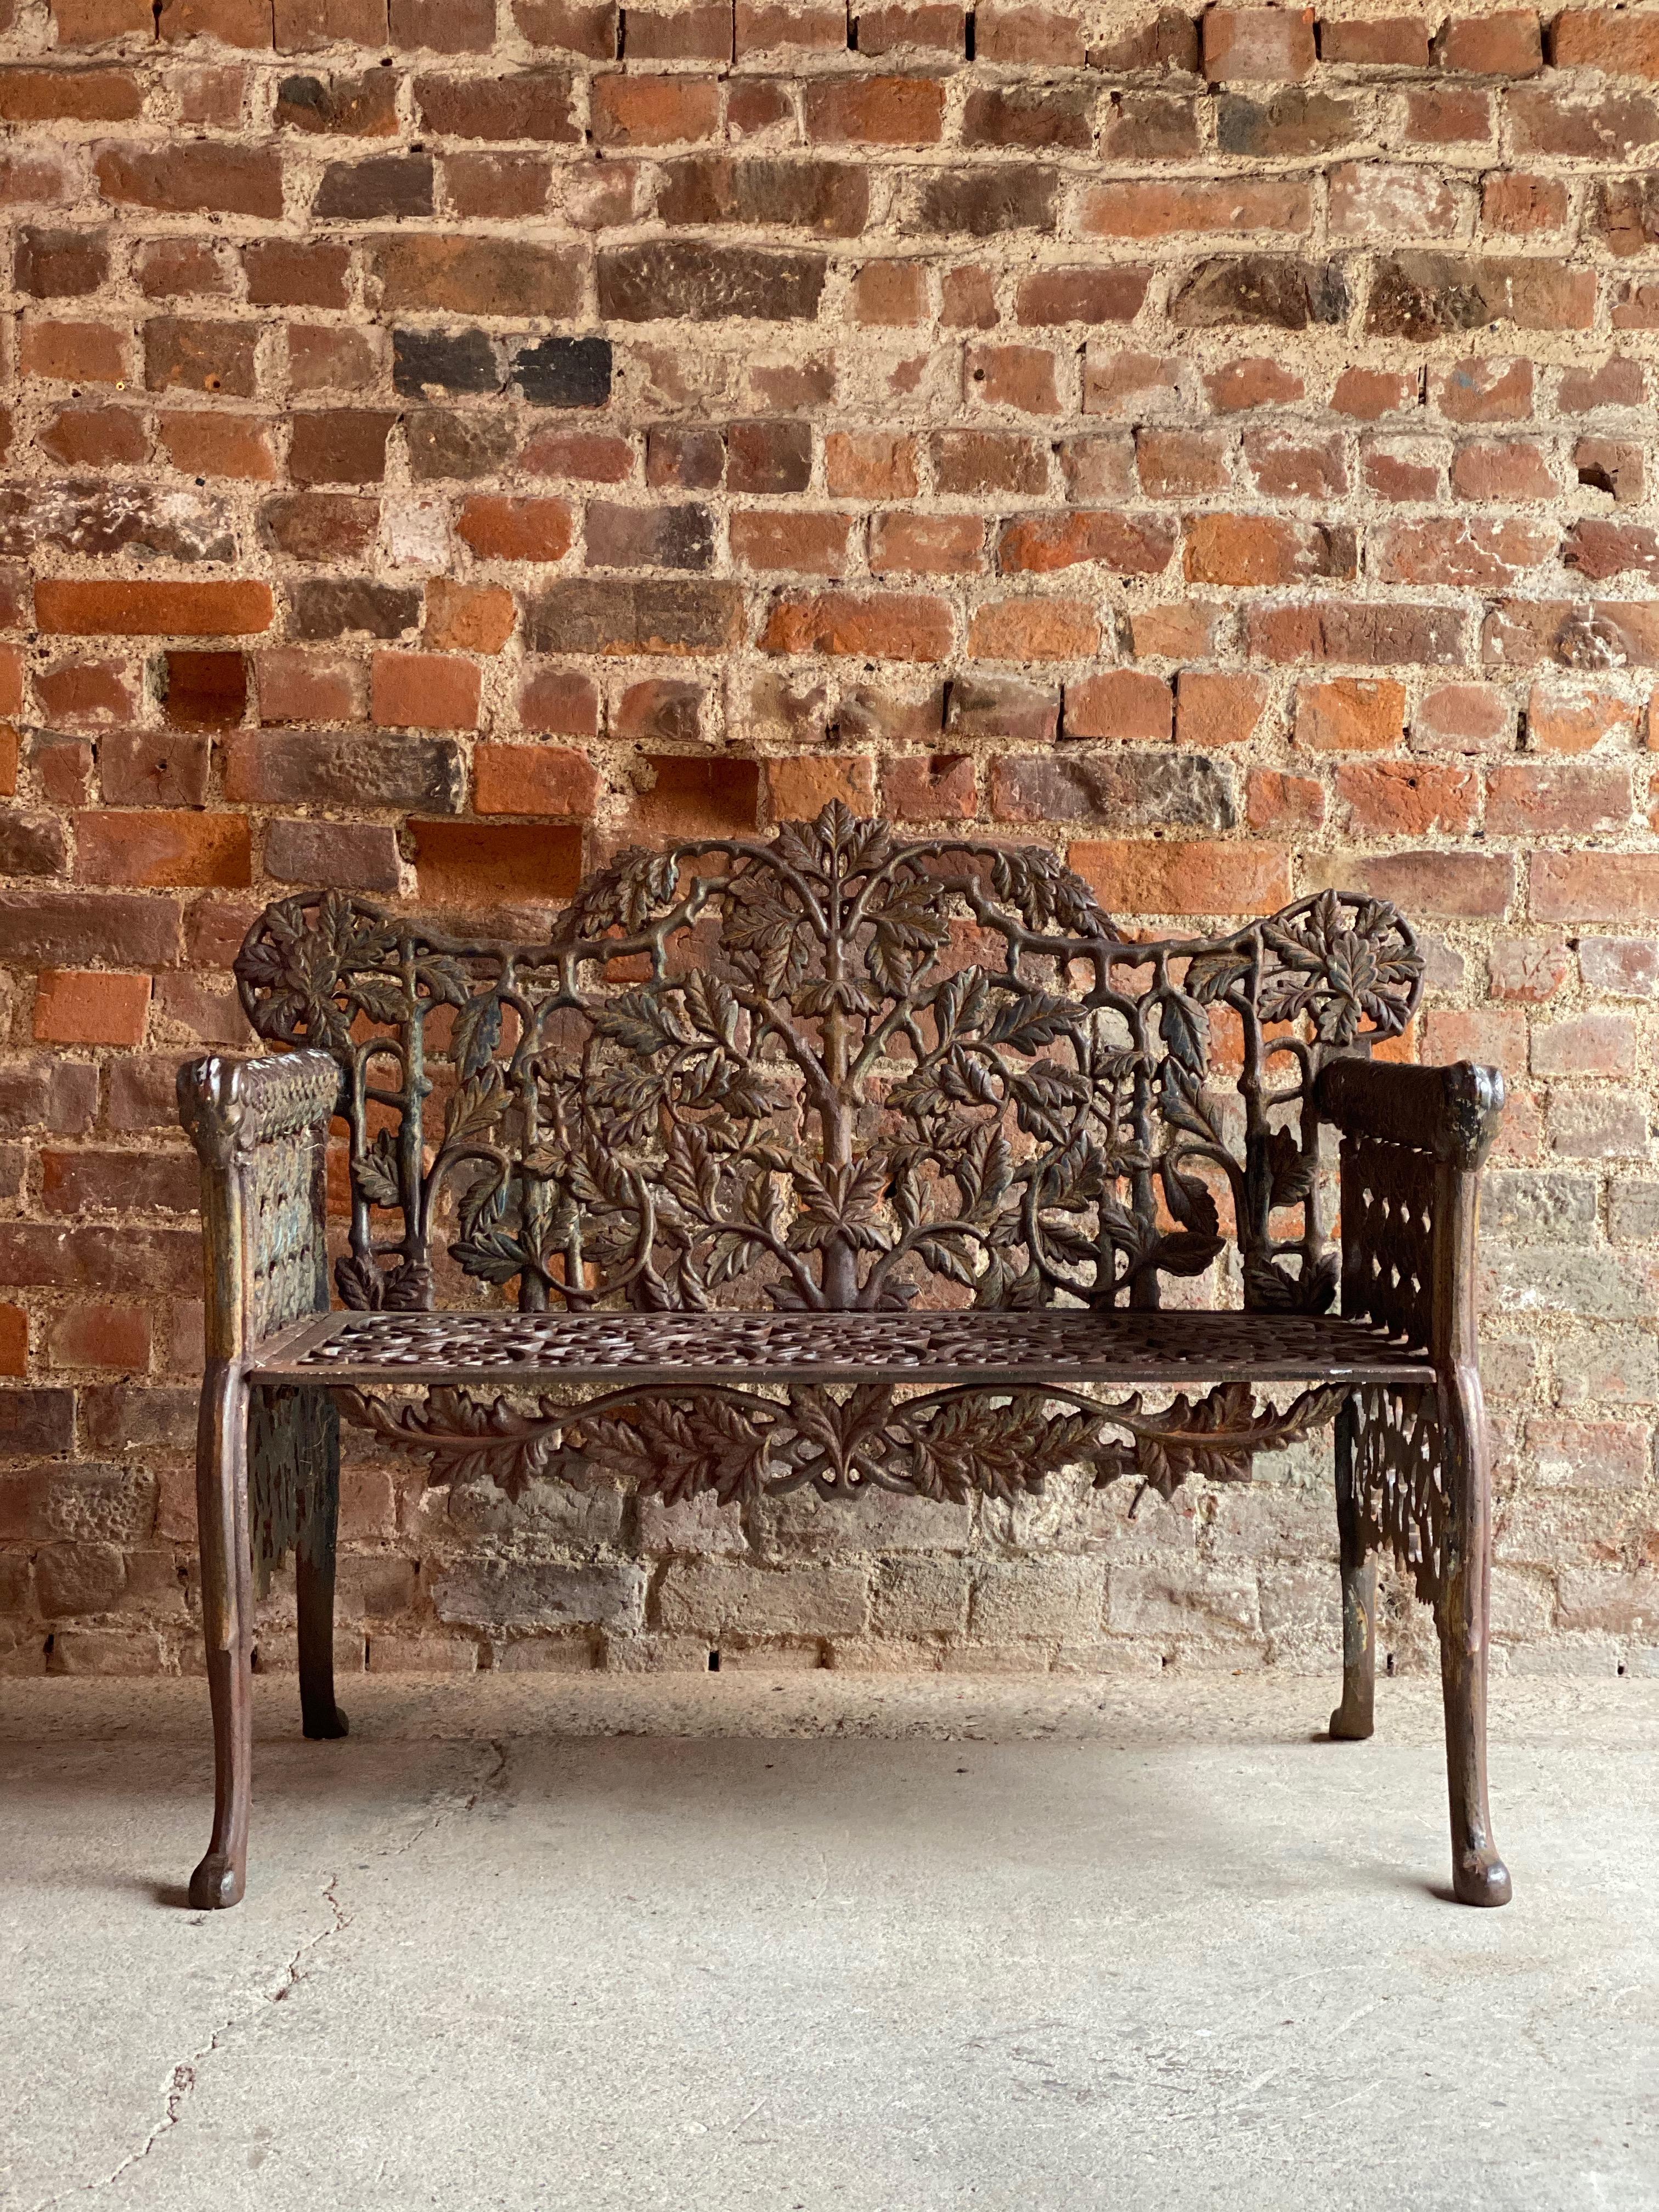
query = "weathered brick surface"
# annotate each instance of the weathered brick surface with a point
(439, 445)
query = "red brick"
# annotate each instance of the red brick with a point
(930, 787)
(86, 691)
(1466, 886)
(68, 96)
(1574, 722)
(927, 544)
(587, 28)
(653, 111)
(1350, 714)
(798, 790)
(782, 539)
(14, 1340)
(1408, 798)
(1383, 42)
(875, 111)
(1368, 394)
(1093, 296)
(887, 626)
(1295, 464)
(661, 710)
(1530, 969)
(158, 847)
(297, 686)
(1241, 43)
(1558, 798)
(1448, 115)
(1020, 377)
(499, 529)
(133, 608)
(74, 353)
(767, 26)
(1586, 1044)
(423, 691)
(1034, 630)
(1277, 802)
(1484, 391)
(1521, 206)
(1126, 545)
(1461, 718)
(106, 1334)
(94, 437)
(980, 463)
(1123, 703)
(1176, 464)
(1135, 877)
(685, 796)
(1607, 39)
(1492, 1039)
(483, 865)
(1259, 548)
(1451, 551)
(559, 702)
(467, 617)
(1503, 470)
(1505, 43)
(890, 293)
(1126, 383)
(82, 1006)
(1126, 209)
(1217, 710)
(579, 456)
(533, 780)
(206, 444)
(192, 177)
(967, 299)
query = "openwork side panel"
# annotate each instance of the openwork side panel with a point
(1402, 1479)
(293, 1451)
(834, 1071)
(1388, 1210)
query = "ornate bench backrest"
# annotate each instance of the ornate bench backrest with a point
(835, 1070)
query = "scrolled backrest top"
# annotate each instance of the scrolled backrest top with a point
(835, 1069)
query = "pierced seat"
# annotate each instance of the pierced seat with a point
(1001, 1350)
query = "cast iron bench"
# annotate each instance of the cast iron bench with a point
(844, 1161)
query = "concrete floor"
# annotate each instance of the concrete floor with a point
(793, 1943)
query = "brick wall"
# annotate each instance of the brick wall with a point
(445, 443)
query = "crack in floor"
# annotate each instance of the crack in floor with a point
(182, 2083)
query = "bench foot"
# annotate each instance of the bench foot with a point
(218, 1882)
(1482, 1878)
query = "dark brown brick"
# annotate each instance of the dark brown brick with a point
(832, 199)
(674, 278)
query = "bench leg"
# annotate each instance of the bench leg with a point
(313, 1562)
(227, 1628)
(1354, 1718)
(1479, 1874)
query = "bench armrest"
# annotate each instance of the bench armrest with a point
(1451, 1112)
(260, 1130)
(1412, 1142)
